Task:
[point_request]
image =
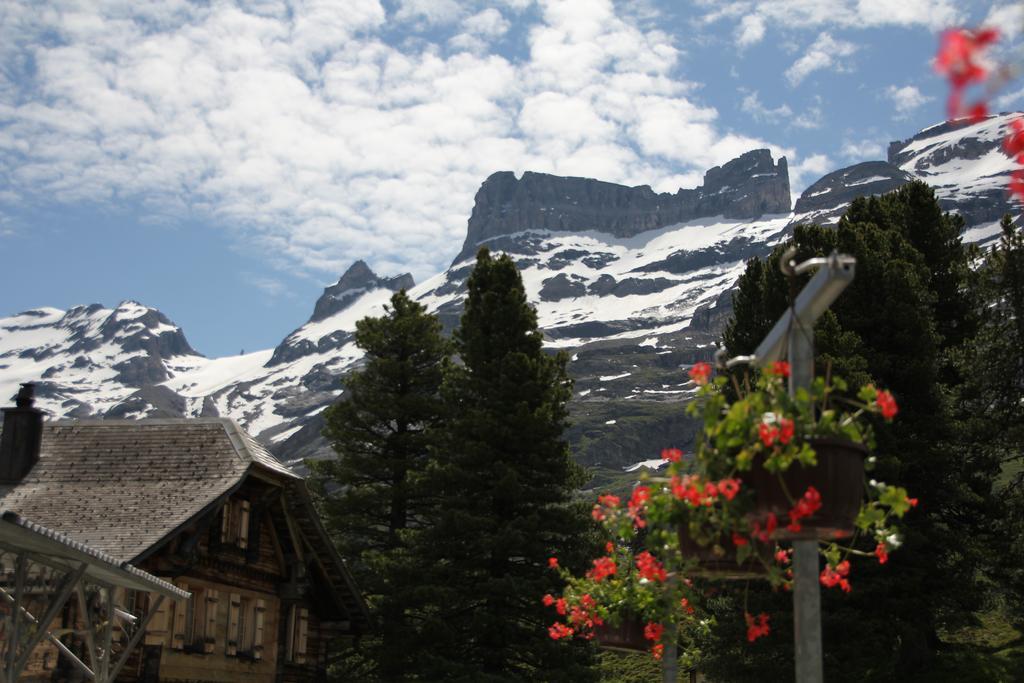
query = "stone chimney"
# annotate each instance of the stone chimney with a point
(23, 432)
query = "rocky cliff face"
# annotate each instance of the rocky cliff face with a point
(632, 284)
(827, 199)
(90, 359)
(749, 186)
(965, 164)
(353, 284)
(356, 280)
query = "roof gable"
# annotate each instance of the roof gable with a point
(123, 486)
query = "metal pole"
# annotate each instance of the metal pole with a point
(793, 334)
(806, 592)
(670, 657)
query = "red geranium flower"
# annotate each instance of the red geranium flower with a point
(882, 553)
(887, 404)
(700, 373)
(836, 577)
(756, 627)
(653, 631)
(672, 454)
(786, 429)
(729, 488)
(636, 505)
(559, 630)
(603, 568)
(767, 433)
(649, 567)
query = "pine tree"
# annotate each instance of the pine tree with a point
(381, 431)
(504, 481)
(899, 324)
(991, 397)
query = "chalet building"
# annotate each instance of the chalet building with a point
(199, 504)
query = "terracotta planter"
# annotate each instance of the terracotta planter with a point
(628, 635)
(838, 477)
(724, 566)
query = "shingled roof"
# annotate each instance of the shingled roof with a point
(122, 486)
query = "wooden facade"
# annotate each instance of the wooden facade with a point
(269, 593)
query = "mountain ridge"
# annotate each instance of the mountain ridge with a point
(630, 292)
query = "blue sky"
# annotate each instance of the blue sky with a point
(224, 161)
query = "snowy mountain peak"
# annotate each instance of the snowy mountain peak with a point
(746, 187)
(90, 358)
(357, 280)
(632, 282)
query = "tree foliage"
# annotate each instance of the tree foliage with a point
(902, 323)
(381, 431)
(503, 482)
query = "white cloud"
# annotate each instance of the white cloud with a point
(809, 119)
(272, 287)
(310, 138)
(812, 117)
(1010, 99)
(752, 105)
(1009, 19)
(906, 99)
(847, 14)
(808, 170)
(862, 150)
(480, 29)
(750, 30)
(429, 12)
(490, 23)
(823, 53)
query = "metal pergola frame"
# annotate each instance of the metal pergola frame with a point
(46, 568)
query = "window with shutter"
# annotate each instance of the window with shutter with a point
(289, 645)
(257, 631)
(182, 608)
(225, 523)
(234, 620)
(301, 636)
(157, 630)
(295, 649)
(210, 626)
(243, 524)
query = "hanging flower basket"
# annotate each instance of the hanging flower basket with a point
(719, 561)
(838, 477)
(767, 466)
(628, 635)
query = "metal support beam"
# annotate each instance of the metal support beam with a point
(67, 585)
(86, 614)
(108, 636)
(807, 612)
(793, 335)
(670, 657)
(140, 631)
(806, 592)
(813, 300)
(49, 636)
(21, 568)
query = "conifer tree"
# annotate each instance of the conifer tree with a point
(993, 402)
(504, 481)
(381, 431)
(899, 324)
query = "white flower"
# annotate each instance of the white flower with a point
(893, 541)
